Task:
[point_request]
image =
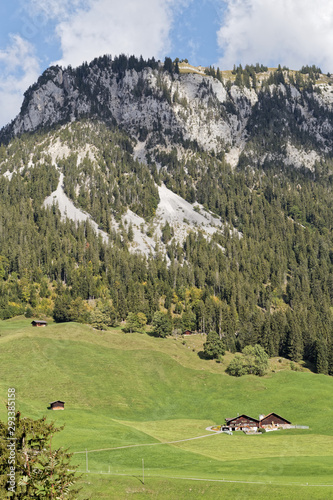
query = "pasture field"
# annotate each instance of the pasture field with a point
(134, 400)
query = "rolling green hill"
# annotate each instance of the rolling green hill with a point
(128, 394)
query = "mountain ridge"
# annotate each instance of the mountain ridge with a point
(253, 152)
(158, 106)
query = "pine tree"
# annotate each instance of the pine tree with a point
(294, 339)
(330, 359)
(321, 354)
(62, 309)
(130, 232)
(168, 65)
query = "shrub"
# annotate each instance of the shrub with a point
(237, 367)
(253, 361)
(213, 347)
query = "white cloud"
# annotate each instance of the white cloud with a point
(115, 27)
(286, 32)
(85, 29)
(50, 9)
(19, 68)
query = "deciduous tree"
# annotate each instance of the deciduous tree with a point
(213, 347)
(40, 471)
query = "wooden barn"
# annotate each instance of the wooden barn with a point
(187, 332)
(274, 420)
(242, 422)
(38, 322)
(57, 405)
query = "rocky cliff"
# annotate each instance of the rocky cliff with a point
(274, 115)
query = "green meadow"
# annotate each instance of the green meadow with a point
(137, 408)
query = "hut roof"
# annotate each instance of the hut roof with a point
(276, 415)
(228, 420)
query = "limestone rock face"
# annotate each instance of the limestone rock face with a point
(160, 109)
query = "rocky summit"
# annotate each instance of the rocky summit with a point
(252, 115)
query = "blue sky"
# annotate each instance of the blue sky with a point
(37, 33)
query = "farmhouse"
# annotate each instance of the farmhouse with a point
(241, 423)
(57, 405)
(273, 420)
(38, 322)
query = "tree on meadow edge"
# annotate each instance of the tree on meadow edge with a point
(135, 322)
(213, 347)
(237, 367)
(40, 471)
(254, 361)
(162, 326)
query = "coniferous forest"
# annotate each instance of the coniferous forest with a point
(266, 278)
(267, 282)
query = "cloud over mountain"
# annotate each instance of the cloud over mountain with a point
(20, 67)
(292, 33)
(112, 27)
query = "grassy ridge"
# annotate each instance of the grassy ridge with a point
(131, 389)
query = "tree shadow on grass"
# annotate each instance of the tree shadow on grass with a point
(308, 365)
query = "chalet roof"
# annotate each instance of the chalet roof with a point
(279, 416)
(39, 321)
(58, 401)
(228, 420)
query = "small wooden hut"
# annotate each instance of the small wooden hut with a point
(57, 405)
(38, 322)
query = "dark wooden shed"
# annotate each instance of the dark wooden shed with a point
(57, 405)
(273, 420)
(187, 332)
(242, 422)
(38, 322)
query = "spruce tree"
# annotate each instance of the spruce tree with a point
(321, 354)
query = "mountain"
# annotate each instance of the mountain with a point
(132, 186)
(257, 113)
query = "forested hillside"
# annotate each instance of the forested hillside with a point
(266, 274)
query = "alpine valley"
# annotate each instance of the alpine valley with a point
(132, 187)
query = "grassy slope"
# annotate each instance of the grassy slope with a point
(134, 389)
